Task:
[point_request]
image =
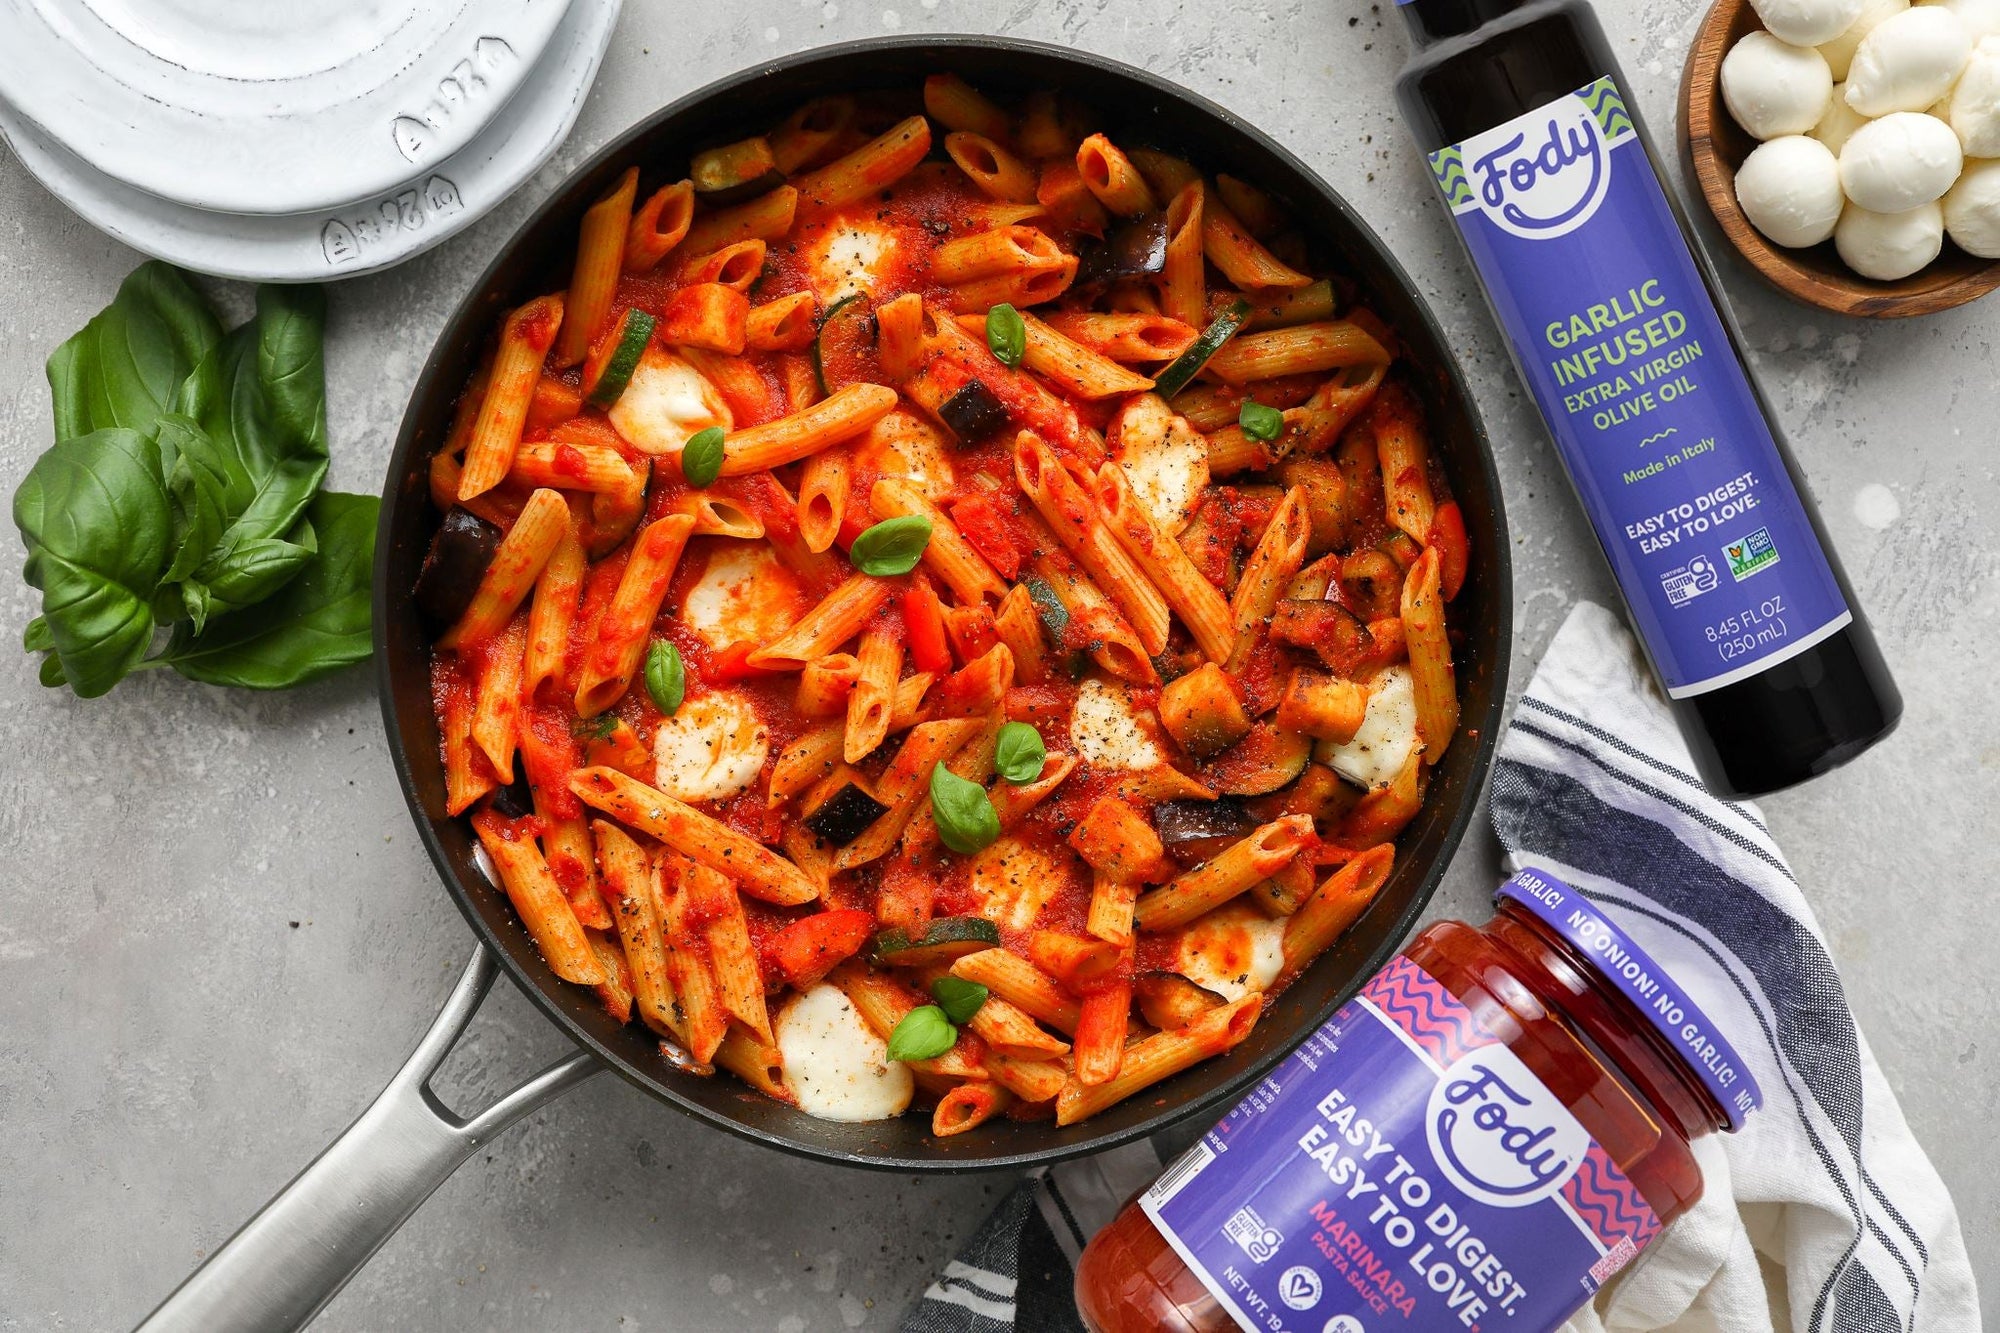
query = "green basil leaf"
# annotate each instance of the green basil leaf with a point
(597, 728)
(958, 998)
(701, 459)
(1020, 755)
(125, 368)
(94, 515)
(666, 677)
(892, 546)
(1260, 422)
(51, 672)
(1006, 334)
(316, 624)
(38, 637)
(260, 395)
(924, 1034)
(965, 817)
(197, 478)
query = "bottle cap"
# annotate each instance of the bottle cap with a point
(1629, 969)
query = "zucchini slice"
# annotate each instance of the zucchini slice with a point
(946, 938)
(610, 365)
(1054, 615)
(1189, 363)
(832, 325)
(735, 171)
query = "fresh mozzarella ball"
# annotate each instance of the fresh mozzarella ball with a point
(1900, 161)
(1972, 210)
(835, 1065)
(1908, 61)
(1808, 22)
(1975, 104)
(1839, 52)
(711, 749)
(1980, 17)
(1773, 88)
(1790, 190)
(1887, 246)
(1839, 122)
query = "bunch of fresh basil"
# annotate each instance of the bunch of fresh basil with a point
(183, 491)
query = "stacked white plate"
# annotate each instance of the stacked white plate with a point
(291, 142)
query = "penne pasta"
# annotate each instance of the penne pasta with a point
(1299, 349)
(704, 1019)
(878, 664)
(1021, 984)
(539, 901)
(1111, 176)
(756, 869)
(899, 339)
(968, 1106)
(1224, 876)
(737, 266)
(790, 438)
(768, 217)
(1003, 250)
(600, 257)
(947, 555)
(516, 565)
(1184, 279)
(1068, 363)
(626, 625)
(1061, 194)
(957, 105)
(1093, 621)
(874, 166)
(1099, 1051)
(809, 135)
(838, 618)
(823, 487)
(1333, 907)
(1279, 554)
(1199, 604)
(465, 780)
(624, 871)
(712, 900)
(991, 167)
(525, 340)
(660, 224)
(1160, 1056)
(1238, 255)
(1078, 523)
(496, 710)
(572, 467)
(1431, 675)
(783, 325)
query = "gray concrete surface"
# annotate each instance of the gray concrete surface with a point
(218, 935)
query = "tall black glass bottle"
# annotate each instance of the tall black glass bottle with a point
(1614, 321)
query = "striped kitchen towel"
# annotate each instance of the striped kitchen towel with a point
(1823, 1215)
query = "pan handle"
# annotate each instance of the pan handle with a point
(299, 1251)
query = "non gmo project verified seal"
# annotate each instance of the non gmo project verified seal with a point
(1751, 553)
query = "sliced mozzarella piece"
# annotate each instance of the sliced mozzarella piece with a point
(904, 445)
(1163, 457)
(1388, 735)
(1232, 951)
(1108, 731)
(835, 1065)
(1014, 880)
(711, 748)
(666, 403)
(745, 595)
(849, 256)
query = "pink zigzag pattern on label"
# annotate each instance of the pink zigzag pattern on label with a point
(1432, 1016)
(1608, 1203)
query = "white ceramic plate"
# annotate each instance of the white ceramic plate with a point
(360, 238)
(267, 106)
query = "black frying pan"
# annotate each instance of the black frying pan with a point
(293, 1256)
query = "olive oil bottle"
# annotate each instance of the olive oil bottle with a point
(1614, 321)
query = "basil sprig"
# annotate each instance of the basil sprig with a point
(1006, 334)
(892, 546)
(958, 998)
(923, 1034)
(701, 457)
(966, 819)
(1260, 422)
(666, 677)
(183, 490)
(1020, 754)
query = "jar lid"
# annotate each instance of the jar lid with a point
(1631, 970)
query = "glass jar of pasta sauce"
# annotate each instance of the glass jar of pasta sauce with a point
(1495, 1125)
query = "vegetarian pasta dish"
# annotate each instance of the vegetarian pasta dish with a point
(944, 610)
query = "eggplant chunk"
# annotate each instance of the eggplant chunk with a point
(1192, 821)
(972, 412)
(1134, 250)
(459, 556)
(845, 815)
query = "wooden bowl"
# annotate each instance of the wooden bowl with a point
(1713, 145)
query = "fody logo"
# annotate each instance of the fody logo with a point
(1544, 174)
(1498, 1134)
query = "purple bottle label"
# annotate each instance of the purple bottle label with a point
(1402, 1170)
(1627, 357)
